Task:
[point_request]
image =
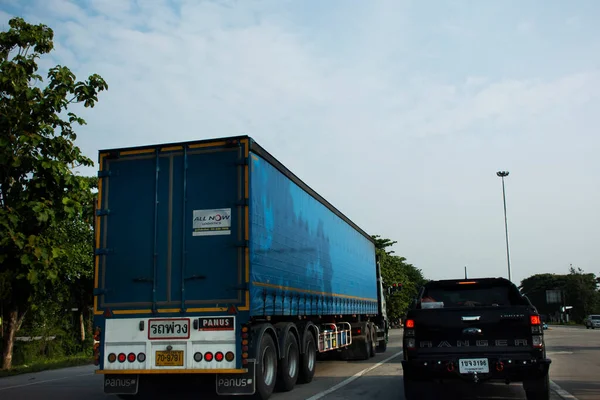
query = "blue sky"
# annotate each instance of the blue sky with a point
(398, 112)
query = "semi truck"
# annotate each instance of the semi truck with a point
(213, 259)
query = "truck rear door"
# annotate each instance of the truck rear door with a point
(171, 227)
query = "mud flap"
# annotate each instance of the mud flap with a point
(237, 384)
(121, 384)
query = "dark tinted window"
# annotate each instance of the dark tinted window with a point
(473, 295)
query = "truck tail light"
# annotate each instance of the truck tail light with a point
(208, 356)
(122, 357)
(411, 343)
(410, 324)
(97, 335)
(131, 357)
(537, 341)
(219, 356)
(141, 357)
(229, 356)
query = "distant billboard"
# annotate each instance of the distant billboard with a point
(553, 296)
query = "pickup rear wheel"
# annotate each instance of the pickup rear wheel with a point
(411, 389)
(537, 389)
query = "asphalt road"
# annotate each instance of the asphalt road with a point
(575, 367)
(575, 354)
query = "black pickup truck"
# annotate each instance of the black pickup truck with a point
(477, 330)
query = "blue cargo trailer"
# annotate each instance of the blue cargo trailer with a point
(213, 258)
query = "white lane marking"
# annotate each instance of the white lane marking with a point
(352, 378)
(46, 381)
(561, 392)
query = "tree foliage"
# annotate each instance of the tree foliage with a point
(38, 189)
(578, 290)
(396, 269)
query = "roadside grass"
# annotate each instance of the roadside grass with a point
(48, 364)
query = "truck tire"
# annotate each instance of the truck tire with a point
(266, 368)
(382, 345)
(537, 389)
(289, 365)
(373, 338)
(308, 360)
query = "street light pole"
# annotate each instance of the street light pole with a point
(502, 175)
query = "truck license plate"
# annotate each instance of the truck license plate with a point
(173, 358)
(121, 384)
(479, 365)
(237, 384)
(169, 328)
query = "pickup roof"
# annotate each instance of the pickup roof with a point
(474, 330)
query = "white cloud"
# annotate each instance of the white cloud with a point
(351, 112)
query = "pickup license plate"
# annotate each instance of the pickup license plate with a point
(173, 358)
(237, 384)
(468, 366)
(121, 384)
(163, 328)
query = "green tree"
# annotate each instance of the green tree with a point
(38, 188)
(396, 269)
(582, 293)
(578, 288)
(383, 244)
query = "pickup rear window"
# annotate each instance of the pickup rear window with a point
(471, 295)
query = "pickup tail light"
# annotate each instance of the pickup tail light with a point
(537, 341)
(536, 324)
(410, 324)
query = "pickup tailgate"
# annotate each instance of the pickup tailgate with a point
(473, 330)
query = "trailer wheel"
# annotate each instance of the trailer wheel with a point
(382, 345)
(266, 368)
(368, 343)
(289, 366)
(373, 340)
(308, 360)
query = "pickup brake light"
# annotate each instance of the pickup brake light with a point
(535, 320)
(410, 323)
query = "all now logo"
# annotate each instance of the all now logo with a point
(216, 324)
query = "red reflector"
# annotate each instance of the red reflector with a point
(219, 356)
(122, 357)
(535, 320)
(410, 323)
(107, 313)
(232, 309)
(208, 356)
(131, 357)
